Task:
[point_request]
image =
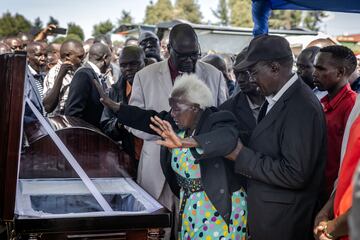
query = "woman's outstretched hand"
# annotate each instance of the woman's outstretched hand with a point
(104, 99)
(165, 130)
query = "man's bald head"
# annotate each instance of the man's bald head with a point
(132, 60)
(183, 48)
(182, 34)
(14, 43)
(132, 52)
(100, 55)
(4, 48)
(72, 51)
(36, 56)
(217, 61)
(69, 46)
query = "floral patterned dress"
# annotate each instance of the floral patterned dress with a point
(200, 220)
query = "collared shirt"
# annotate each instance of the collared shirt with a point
(273, 99)
(174, 73)
(319, 94)
(64, 90)
(337, 111)
(255, 109)
(39, 80)
(100, 75)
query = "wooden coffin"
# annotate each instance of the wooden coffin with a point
(42, 196)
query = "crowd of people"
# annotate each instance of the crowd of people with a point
(263, 147)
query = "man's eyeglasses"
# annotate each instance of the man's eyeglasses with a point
(183, 57)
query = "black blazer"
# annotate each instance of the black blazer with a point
(84, 100)
(284, 163)
(217, 136)
(109, 121)
(239, 106)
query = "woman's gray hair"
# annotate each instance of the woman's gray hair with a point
(193, 90)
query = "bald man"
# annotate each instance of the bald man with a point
(83, 101)
(132, 60)
(4, 48)
(14, 43)
(36, 57)
(57, 81)
(150, 43)
(219, 62)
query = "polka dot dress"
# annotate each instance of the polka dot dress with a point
(200, 219)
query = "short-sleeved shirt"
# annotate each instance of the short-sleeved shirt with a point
(64, 90)
(337, 111)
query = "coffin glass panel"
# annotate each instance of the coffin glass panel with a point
(69, 197)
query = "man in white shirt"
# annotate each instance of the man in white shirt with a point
(37, 62)
(58, 79)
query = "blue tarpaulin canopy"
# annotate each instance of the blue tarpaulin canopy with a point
(261, 9)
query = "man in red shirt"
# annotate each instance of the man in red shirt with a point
(333, 66)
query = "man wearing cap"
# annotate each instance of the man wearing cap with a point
(149, 42)
(285, 156)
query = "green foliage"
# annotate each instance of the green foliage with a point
(222, 13)
(38, 24)
(52, 20)
(12, 25)
(188, 10)
(126, 18)
(284, 19)
(102, 28)
(161, 11)
(240, 13)
(74, 29)
(69, 36)
(313, 19)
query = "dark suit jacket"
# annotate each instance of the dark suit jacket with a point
(239, 106)
(109, 121)
(84, 100)
(217, 136)
(284, 162)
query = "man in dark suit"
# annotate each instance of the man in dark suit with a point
(285, 157)
(245, 104)
(83, 100)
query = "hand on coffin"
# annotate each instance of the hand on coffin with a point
(164, 129)
(104, 99)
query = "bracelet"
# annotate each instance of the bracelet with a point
(326, 233)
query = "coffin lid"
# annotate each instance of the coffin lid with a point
(12, 75)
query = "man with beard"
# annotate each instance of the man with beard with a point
(37, 63)
(149, 42)
(305, 69)
(57, 81)
(132, 60)
(151, 89)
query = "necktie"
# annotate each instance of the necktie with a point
(263, 110)
(102, 78)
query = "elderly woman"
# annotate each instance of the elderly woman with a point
(212, 200)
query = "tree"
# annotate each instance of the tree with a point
(38, 24)
(12, 25)
(74, 29)
(102, 28)
(240, 13)
(161, 11)
(313, 19)
(52, 20)
(222, 13)
(188, 10)
(126, 18)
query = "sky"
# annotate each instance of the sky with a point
(90, 12)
